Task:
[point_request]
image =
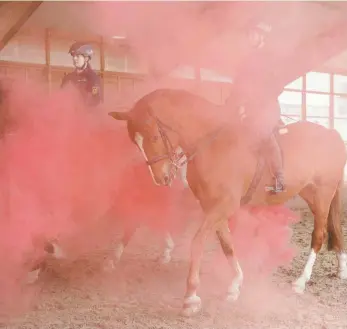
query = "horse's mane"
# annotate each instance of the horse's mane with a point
(197, 106)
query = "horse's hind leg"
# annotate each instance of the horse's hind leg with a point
(44, 248)
(128, 233)
(224, 236)
(53, 248)
(319, 199)
(335, 235)
(169, 246)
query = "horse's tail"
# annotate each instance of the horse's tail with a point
(335, 236)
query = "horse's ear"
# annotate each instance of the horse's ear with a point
(125, 116)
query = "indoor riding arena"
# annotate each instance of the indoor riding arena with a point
(91, 238)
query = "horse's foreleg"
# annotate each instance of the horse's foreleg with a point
(169, 246)
(192, 302)
(224, 236)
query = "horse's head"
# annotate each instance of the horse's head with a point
(150, 135)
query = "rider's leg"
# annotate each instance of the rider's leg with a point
(276, 163)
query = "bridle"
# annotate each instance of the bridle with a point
(177, 159)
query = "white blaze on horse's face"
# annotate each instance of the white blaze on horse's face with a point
(139, 141)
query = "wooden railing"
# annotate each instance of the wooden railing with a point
(113, 82)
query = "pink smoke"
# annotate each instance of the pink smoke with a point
(64, 167)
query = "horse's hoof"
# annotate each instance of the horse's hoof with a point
(298, 287)
(33, 276)
(233, 295)
(343, 274)
(191, 306)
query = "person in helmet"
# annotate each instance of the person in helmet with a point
(83, 77)
(255, 95)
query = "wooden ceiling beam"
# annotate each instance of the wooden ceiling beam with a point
(14, 29)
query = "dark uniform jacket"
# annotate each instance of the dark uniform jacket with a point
(88, 84)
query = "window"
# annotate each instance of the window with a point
(25, 49)
(134, 64)
(317, 81)
(317, 105)
(340, 106)
(296, 84)
(115, 63)
(321, 121)
(61, 57)
(291, 103)
(185, 72)
(340, 84)
(59, 52)
(210, 75)
(341, 126)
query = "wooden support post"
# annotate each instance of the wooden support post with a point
(303, 99)
(102, 65)
(331, 102)
(48, 68)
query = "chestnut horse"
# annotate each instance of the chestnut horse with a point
(226, 171)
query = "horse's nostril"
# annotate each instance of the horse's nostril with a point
(166, 180)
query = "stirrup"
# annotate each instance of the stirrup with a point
(276, 188)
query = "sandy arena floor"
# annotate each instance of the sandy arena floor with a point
(142, 294)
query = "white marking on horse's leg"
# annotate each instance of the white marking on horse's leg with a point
(33, 276)
(342, 267)
(225, 239)
(234, 288)
(139, 141)
(119, 251)
(192, 305)
(169, 246)
(300, 284)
